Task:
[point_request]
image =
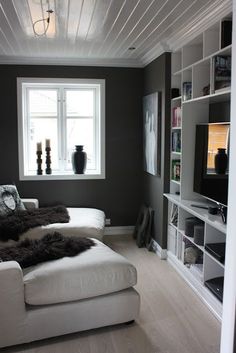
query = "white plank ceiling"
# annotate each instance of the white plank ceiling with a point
(99, 31)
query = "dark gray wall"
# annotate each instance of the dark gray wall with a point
(157, 78)
(119, 195)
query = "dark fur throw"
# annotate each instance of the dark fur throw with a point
(14, 224)
(51, 247)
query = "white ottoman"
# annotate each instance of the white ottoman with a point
(84, 222)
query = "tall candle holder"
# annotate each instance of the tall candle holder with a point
(48, 169)
(39, 162)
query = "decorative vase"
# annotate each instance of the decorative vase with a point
(79, 160)
(221, 161)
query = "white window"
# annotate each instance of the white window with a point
(67, 112)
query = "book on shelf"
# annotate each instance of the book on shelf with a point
(187, 91)
(176, 169)
(221, 72)
(176, 141)
(176, 117)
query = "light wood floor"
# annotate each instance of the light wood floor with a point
(172, 317)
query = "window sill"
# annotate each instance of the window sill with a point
(62, 177)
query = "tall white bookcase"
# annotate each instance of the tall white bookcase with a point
(193, 66)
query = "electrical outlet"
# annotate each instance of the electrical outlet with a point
(108, 222)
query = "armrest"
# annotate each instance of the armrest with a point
(12, 286)
(12, 305)
(30, 203)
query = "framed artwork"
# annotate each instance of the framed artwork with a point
(152, 133)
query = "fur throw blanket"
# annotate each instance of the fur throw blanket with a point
(50, 247)
(14, 224)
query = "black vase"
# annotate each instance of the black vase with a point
(79, 160)
(221, 161)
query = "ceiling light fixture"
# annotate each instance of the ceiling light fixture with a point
(47, 20)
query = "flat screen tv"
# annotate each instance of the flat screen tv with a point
(208, 181)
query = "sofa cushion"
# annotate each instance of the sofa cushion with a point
(95, 272)
(10, 200)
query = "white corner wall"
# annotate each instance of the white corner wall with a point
(228, 320)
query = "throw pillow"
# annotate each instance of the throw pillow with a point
(9, 200)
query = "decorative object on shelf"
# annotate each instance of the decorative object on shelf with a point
(39, 158)
(48, 169)
(187, 91)
(79, 160)
(222, 72)
(152, 133)
(176, 169)
(221, 161)
(206, 90)
(174, 93)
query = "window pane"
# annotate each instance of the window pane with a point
(41, 129)
(43, 102)
(79, 103)
(80, 132)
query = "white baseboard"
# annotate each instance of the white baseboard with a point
(127, 230)
(162, 253)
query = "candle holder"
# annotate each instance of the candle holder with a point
(48, 169)
(39, 162)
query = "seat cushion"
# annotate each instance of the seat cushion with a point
(95, 272)
(84, 222)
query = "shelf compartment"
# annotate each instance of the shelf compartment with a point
(200, 247)
(211, 40)
(201, 79)
(193, 51)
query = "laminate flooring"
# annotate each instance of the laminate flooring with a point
(172, 317)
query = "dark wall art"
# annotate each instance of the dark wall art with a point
(152, 133)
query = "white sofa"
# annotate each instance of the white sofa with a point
(72, 294)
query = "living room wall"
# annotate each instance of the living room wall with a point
(157, 77)
(119, 195)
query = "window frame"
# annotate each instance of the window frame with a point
(23, 84)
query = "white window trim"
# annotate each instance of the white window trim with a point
(101, 121)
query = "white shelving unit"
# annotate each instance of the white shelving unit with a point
(214, 232)
(194, 63)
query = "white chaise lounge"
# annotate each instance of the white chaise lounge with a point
(72, 294)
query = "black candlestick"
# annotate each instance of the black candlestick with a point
(39, 163)
(48, 169)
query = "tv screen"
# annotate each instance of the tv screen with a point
(211, 161)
